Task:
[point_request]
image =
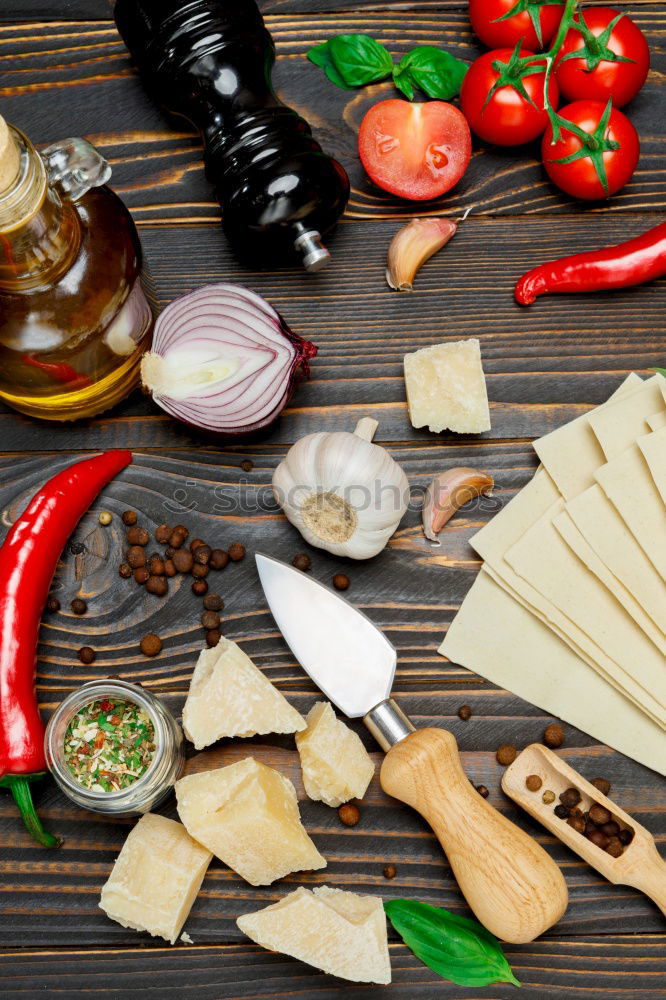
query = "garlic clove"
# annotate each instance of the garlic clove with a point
(412, 246)
(448, 492)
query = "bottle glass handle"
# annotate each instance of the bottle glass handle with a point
(75, 166)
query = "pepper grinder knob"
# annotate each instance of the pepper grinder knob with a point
(315, 254)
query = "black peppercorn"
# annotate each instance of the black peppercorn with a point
(464, 712)
(247, 465)
(76, 548)
(561, 811)
(53, 604)
(483, 791)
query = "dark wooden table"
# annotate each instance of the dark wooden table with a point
(64, 71)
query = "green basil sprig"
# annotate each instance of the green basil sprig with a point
(351, 61)
(456, 948)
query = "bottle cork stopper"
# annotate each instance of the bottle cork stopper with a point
(9, 157)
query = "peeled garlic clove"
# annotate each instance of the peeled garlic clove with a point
(412, 246)
(447, 493)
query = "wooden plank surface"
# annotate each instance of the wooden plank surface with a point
(64, 70)
(158, 168)
(544, 365)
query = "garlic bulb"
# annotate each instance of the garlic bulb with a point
(343, 493)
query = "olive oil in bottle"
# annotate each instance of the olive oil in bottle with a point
(75, 309)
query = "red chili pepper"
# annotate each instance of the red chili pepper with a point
(59, 371)
(28, 559)
(633, 263)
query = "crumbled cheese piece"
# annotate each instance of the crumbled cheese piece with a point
(336, 766)
(229, 696)
(339, 932)
(185, 938)
(155, 878)
(247, 814)
(446, 388)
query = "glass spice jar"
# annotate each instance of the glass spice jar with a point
(161, 774)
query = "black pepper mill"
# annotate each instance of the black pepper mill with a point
(211, 61)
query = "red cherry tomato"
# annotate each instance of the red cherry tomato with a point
(505, 118)
(496, 34)
(595, 78)
(415, 151)
(580, 177)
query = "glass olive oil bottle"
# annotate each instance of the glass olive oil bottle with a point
(75, 316)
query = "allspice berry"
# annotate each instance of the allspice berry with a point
(202, 554)
(125, 570)
(87, 655)
(464, 712)
(195, 543)
(129, 517)
(302, 561)
(506, 754)
(162, 533)
(199, 571)
(157, 585)
(597, 837)
(602, 785)
(340, 581)
(199, 587)
(169, 568)
(614, 847)
(53, 604)
(151, 644)
(247, 465)
(213, 602)
(136, 556)
(213, 636)
(390, 871)
(183, 560)
(483, 791)
(210, 619)
(236, 552)
(533, 782)
(141, 574)
(137, 535)
(218, 559)
(79, 606)
(571, 797)
(349, 814)
(599, 814)
(577, 822)
(553, 735)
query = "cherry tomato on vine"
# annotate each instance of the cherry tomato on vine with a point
(606, 148)
(532, 18)
(415, 151)
(513, 113)
(593, 77)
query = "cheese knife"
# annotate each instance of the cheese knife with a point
(514, 888)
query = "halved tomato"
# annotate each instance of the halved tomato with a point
(415, 151)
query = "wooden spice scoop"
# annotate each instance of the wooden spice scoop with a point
(640, 866)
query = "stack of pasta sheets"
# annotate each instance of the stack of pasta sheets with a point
(569, 609)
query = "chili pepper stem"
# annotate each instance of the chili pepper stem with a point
(19, 786)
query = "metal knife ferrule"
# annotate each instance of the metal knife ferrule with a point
(388, 724)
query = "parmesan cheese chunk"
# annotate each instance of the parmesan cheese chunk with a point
(247, 814)
(155, 878)
(338, 932)
(229, 696)
(336, 766)
(446, 388)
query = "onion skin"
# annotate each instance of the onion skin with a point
(447, 493)
(216, 324)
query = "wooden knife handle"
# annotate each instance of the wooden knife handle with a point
(515, 889)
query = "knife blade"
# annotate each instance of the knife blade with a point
(513, 886)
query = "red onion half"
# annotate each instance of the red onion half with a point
(224, 360)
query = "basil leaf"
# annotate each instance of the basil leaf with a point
(456, 948)
(353, 60)
(321, 56)
(436, 72)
